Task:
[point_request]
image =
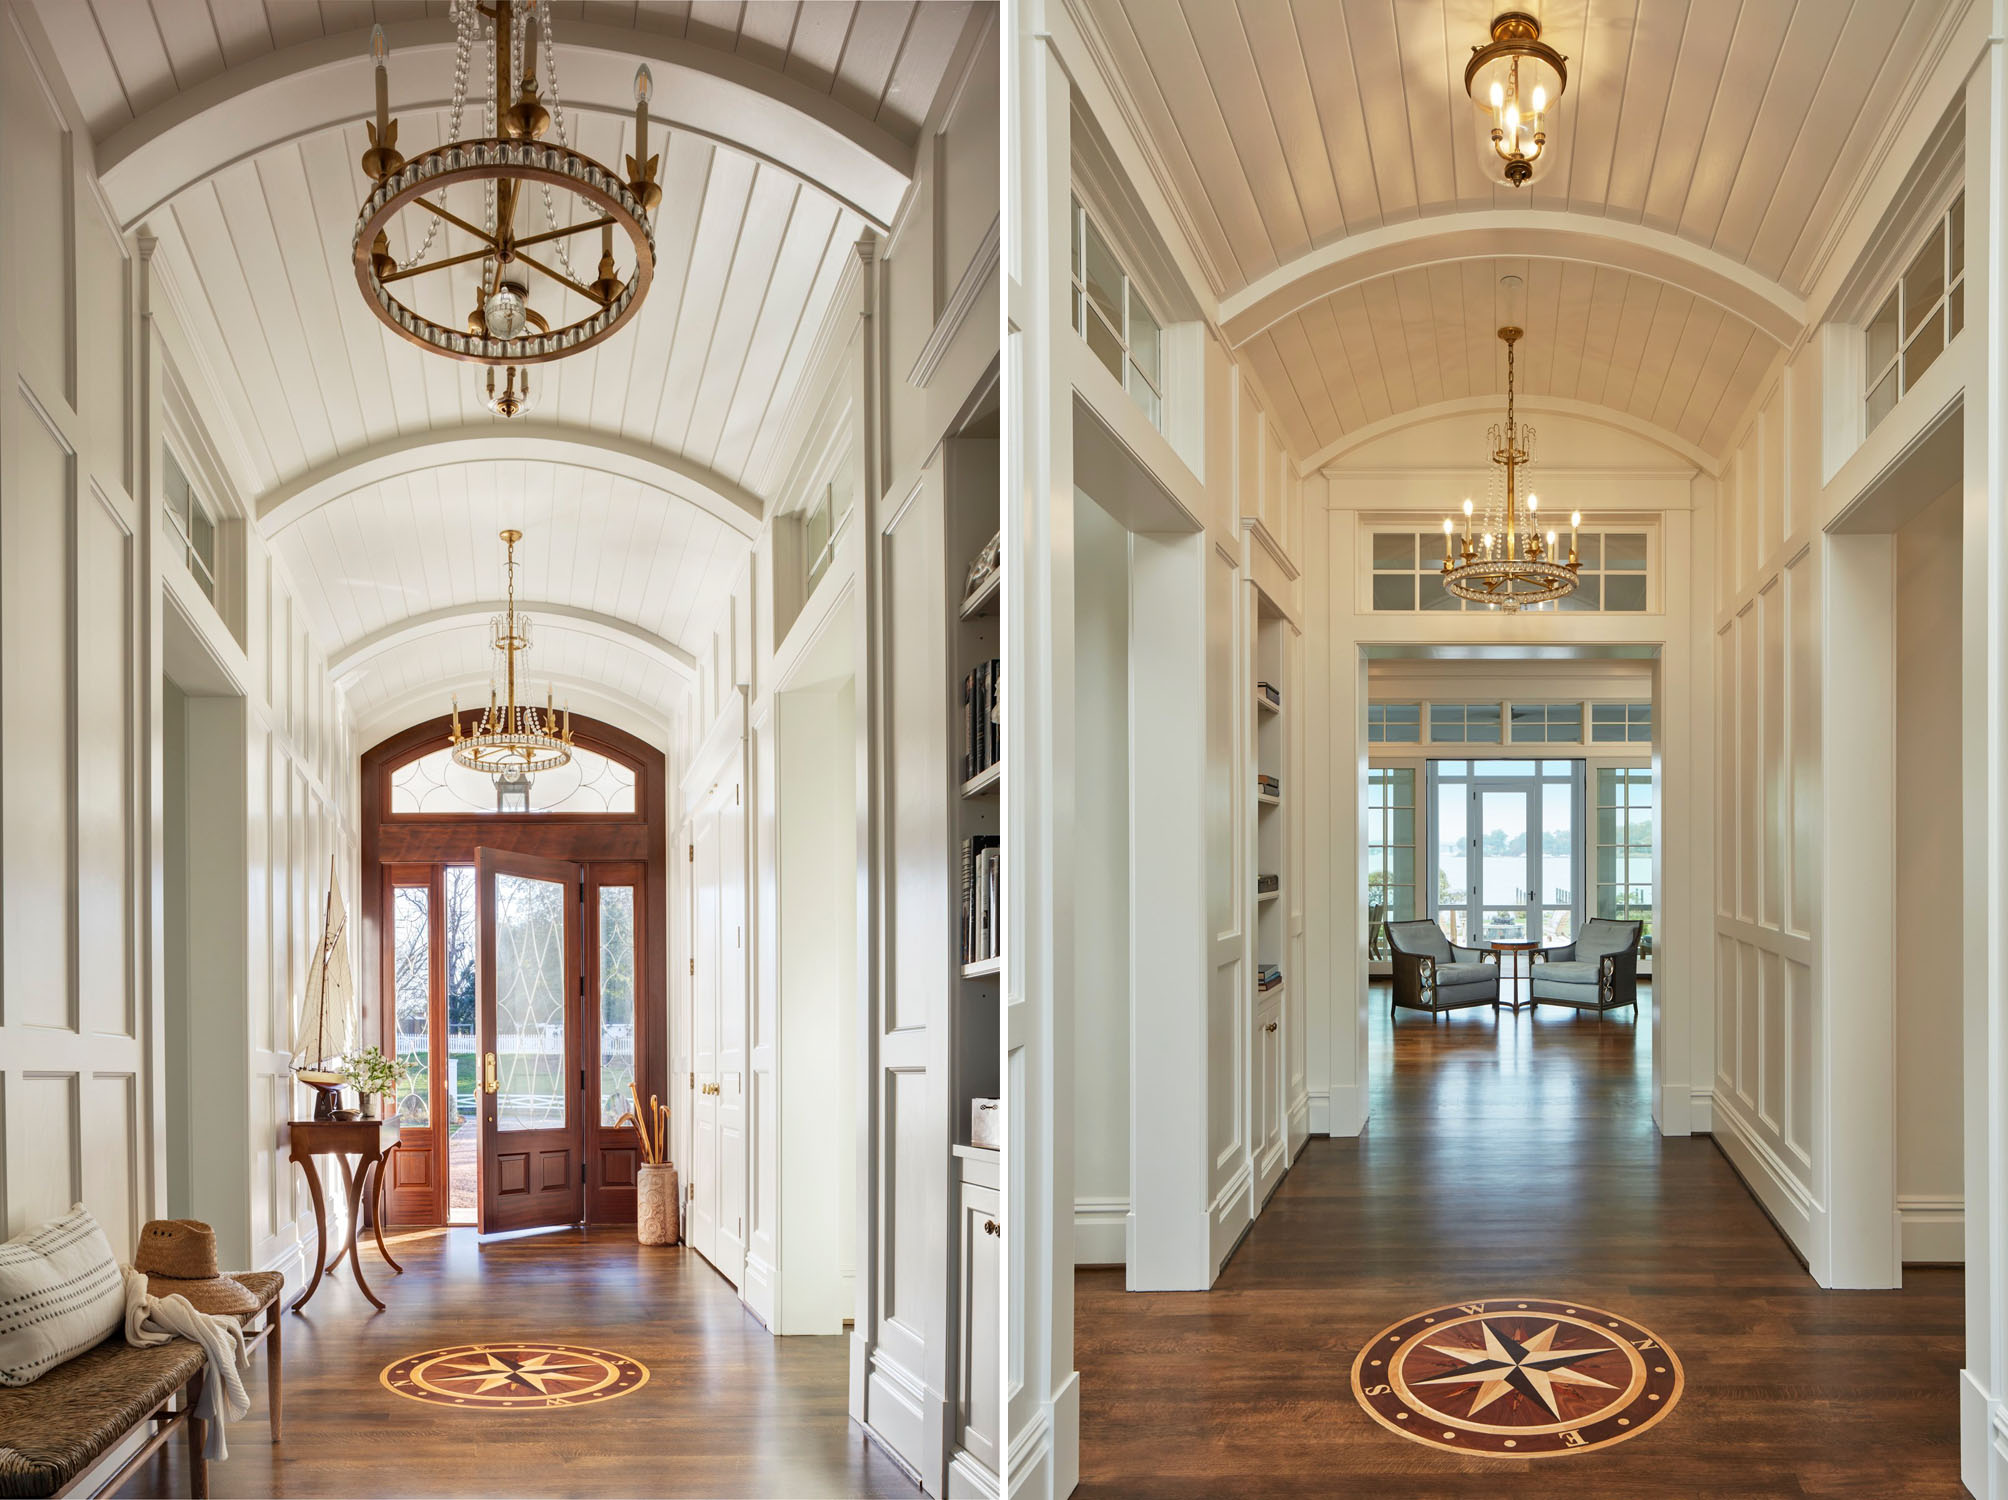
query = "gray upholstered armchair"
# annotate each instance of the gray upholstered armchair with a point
(1432, 974)
(1598, 971)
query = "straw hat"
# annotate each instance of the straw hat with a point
(178, 1258)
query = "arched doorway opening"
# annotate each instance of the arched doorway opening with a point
(508, 1121)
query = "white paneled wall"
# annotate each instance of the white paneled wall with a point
(96, 605)
(76, 1103)
(1767, 846)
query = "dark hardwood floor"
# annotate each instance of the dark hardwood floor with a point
(1517, 1160)
(728, 1410)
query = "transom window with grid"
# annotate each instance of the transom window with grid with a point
(1407, 573)
(1111, 314)
(1923, 313)
(194, 527)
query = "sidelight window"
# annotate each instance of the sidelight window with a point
(411, 984)
(617, 1011)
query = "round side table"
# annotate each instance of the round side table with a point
(1514, 948)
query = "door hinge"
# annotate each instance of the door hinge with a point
(693, 968)
(691, 857)
(693, 1080)
(735, 794)
(691, 1194)
(582, 1174)
(582, 1086)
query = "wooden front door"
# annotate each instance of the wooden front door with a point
(530, 983)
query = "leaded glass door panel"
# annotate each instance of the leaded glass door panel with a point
(531, 1083)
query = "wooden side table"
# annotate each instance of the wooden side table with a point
(373, 1142)
(1513, 948)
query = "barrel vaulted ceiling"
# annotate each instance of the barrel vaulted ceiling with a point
(1324, 161)
(230, 130)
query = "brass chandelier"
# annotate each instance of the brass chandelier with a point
(1515, 79)
(509, 740)
(516, 170)
(1508, 564)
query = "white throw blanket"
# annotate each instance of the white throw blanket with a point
(155, 1320)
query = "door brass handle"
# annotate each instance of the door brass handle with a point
(489, 1063)
(991, 1226)
(1270, 1027)
(711, 1088)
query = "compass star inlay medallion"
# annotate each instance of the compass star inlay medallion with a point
(514, 1376)
(1517, 1378)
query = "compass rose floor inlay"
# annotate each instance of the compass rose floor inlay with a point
(1509, 1378)
(515, 1376)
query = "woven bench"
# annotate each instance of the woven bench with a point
(53, 1432)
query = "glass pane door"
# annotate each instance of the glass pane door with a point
(532, 1162)
(1509, 862)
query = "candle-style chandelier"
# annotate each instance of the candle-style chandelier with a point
(1515, 80)
(479, 198)
(1508, 564)
(509, 740)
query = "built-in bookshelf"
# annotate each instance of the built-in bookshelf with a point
(975, 585)
(1269, 954)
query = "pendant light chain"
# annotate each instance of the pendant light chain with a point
(464, 13)
(564, 139)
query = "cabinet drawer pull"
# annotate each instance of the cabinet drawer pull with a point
(1270, 1027)
(991, 1226)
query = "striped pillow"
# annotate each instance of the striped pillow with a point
(61, 1292)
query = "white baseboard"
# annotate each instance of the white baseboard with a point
(1227, 1220)
(1044, 1458)
(970, 1480)
(1932, 1230)
(1346, 1110)
(1701, 1112)
(1783, 1196)
(1101, 1231)
(1976, 1420)
(1321, 1111)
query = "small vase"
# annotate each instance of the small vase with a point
(367, 1103)
(655, 1204)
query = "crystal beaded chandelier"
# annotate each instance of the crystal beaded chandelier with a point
(1508, 564)
(479, 192)
(1515, 80)
(512, 741)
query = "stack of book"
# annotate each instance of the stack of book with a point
(1267, 977)
(982, 898)
(982, 731)
(1266, 784)
(1269, 694)
(1267, 883)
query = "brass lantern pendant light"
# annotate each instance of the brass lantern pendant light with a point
(511, 741)
(1508, 564)
(1516, 80)
(478, 199)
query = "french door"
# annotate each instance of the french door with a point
(532, 1080)
(1508, 849)
(717, 1170)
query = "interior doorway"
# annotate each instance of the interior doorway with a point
(522, 970)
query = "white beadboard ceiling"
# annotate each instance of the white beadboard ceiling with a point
(1595, 334)
(1285, 126)
(748, 258)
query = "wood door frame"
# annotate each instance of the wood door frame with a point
(592, 839)
(495, 1216)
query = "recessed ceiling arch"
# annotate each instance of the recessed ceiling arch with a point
(378, 720)
(1488, 407)
(325, 84)
(489, 441)
(1422, 335)
(356, 657)
(1636, 249)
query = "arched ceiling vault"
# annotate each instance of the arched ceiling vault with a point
(522, 440)
(324, 84)
(231, 134)
(1636, 249)
(1644, 349)
(1484, 409)
(351, 661)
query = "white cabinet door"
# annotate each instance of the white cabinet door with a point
(979, 1409)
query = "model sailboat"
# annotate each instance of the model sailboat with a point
(327, 1016)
